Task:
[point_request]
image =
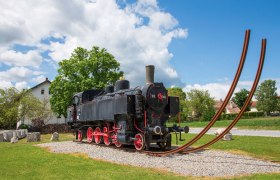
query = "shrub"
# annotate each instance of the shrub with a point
(173, 119)
(23, 126)
(207, 115)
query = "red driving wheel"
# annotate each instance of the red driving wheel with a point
(139, 142)
(97, 136)
(80, 135)
(89, 135)
(114, 139)
(106, 138)
(118, 144)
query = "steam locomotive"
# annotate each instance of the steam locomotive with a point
(122, 115)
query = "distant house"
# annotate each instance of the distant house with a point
(253, 107)
(230, 108)
(42, 92)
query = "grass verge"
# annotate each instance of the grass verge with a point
(257, 123)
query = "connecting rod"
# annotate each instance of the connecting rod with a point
(247, 102)
(219, 112)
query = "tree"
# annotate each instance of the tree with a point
(17, 105)
(85, 69)
(177, 91)
(9, 103)
(267, 96)
(201, 104)
(240, 98)
(32, 108)
(278, 104)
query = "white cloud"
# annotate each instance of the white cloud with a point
(5, 84)
(172, 73)
(21, 85)
(219, 90)
(39, 79)
(216, 90)
(68, 47)
(162, 20)
(136, 35)
(31, 58)
(17, 74)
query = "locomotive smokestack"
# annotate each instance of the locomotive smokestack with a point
(150, 70)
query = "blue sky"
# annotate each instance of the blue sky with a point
(192, 43)
(215, 38)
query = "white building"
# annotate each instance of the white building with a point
(253, 107)
(42, 92)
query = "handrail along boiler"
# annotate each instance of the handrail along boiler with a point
(122, 115)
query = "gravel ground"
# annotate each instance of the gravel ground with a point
(206, 163)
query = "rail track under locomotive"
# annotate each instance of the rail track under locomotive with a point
(137, 116)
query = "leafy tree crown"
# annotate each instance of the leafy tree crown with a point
(240, 98)
(85, 69)
(267, 96)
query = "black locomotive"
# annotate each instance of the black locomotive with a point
(123, 115)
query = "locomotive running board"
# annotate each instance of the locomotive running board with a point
(247, 102)
(219, 112)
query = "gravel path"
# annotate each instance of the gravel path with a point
(206, 163)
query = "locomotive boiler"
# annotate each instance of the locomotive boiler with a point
(122, 115)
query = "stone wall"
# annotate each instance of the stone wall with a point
(7, 135)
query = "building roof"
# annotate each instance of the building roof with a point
(253, 104)
(218, 104)
(46, 81)
(230, 108)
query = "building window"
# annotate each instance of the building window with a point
(42, 91)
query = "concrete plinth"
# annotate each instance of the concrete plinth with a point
(8, 135)
(33, 137)
(55, 136)
(226, 137)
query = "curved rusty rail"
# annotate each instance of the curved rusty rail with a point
(248, 100)
(219, 112)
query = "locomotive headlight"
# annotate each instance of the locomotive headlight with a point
(157, 130)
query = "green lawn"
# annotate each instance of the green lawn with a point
(256, 123)
(25, 161)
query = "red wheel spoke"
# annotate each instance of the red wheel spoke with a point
(107, 138)
(80, 135)
(89, 135)
(97, 136)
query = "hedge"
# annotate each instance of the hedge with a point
(246, 115)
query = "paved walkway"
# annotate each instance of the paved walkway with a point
(242, 132)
